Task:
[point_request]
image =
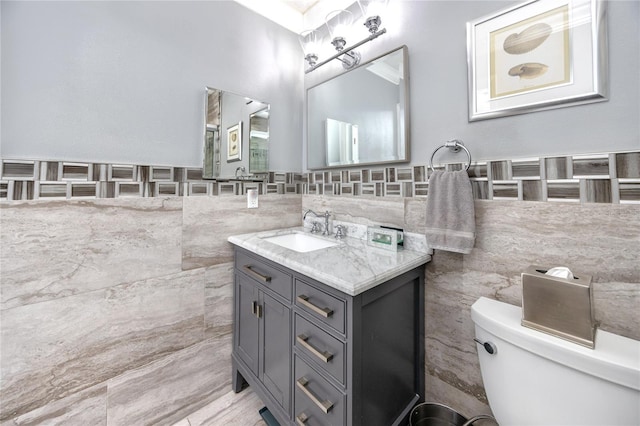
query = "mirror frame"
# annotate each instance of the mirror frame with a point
(406, 116)
(211, 153)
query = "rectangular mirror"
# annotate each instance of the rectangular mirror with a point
(361, 117)
(236, 136)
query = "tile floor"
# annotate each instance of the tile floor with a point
(231, 409)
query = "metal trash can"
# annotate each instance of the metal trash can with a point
(434, 414)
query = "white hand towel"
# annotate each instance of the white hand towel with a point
(451, 222)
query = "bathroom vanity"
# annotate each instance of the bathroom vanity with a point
(333, 336)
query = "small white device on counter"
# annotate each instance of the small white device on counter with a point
(385, 238)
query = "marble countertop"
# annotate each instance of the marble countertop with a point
(352, 266)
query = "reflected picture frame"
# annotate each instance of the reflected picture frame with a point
(535, 56)
(234, 143)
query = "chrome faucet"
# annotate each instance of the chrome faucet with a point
(241, 169)
(326, 216)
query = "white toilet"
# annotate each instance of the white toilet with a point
(533, 378)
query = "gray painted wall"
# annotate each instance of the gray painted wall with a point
(435, 34)
(124, 81)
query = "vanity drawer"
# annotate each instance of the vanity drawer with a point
(265, 274)
(327, 351)
(327, 308)
(316, 401)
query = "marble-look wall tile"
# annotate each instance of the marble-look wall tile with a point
(563, 190)
(556, 168)
(597, 190)
(208, 221)
(479, 170)
(480, 189)
(59, 347)
(602, 240)
(616, 306)
(54, 249)
(87, 407)
(361, 210)
(590, 166)
(526, 168)
(628, 165)
(192, 377)
(532, 190)
(415, 215)
(599, 239)
(500, 170)
(218, 300)
(29, 179)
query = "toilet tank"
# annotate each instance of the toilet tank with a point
(537, 379)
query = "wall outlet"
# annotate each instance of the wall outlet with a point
(252, 198)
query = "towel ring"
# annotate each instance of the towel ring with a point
(454, 145)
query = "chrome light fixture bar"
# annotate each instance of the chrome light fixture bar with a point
(338, 23)
(345, 50)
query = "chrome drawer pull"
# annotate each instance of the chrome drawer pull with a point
(256, 309)
(324, 356)
(256, 275)
(325, 406)
(301, 419)
(325, 312)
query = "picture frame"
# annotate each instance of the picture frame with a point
(535, 56)
(234, 143)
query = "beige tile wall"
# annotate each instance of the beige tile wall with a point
(602, 240)
(113, 309)
(99, 296)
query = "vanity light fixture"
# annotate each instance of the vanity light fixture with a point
(339, 24)
(372, 9)
(310, 41)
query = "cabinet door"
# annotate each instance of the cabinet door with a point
(247, 322)
(276, 360)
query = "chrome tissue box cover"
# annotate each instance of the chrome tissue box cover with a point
(558, 306)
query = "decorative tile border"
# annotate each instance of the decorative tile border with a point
(594, 178)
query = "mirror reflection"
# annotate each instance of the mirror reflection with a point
(361, 116)
(236, 137)
(259, 141)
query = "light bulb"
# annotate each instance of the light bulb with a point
(339, 24)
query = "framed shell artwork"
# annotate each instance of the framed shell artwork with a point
(234, 143)
(538, 55)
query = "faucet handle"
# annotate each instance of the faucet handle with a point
(341, 231)
(315, 227)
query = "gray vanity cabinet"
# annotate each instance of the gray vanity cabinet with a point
(262, 329)
(353, 360)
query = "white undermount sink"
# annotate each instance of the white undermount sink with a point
(301, 242)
